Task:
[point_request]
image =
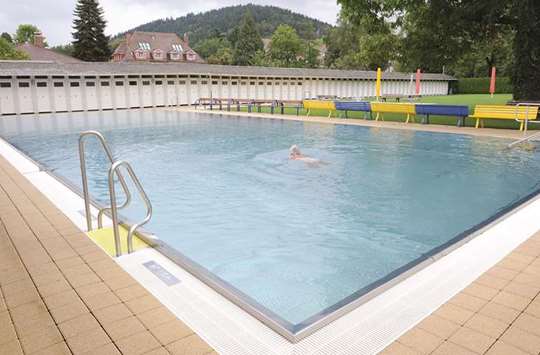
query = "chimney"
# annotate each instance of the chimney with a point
(39, 40)
(186, 39)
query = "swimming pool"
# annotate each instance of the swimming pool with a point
(296, 242)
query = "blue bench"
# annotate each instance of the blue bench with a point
(461, 112)
(361, 106)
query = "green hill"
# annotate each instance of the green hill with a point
(223, 21)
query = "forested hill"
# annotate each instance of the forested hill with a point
(223, 21)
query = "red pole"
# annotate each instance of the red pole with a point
(418, 77)
(492, 82)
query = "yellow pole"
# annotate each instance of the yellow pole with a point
(378, 84)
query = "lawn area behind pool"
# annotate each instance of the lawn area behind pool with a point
(469, 100)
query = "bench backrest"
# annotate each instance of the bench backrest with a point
(319, 104)
(506, 112)
(393, 107)
(442, 110)
(353, 106)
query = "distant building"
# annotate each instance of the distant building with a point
(155, 47)
(37, 51)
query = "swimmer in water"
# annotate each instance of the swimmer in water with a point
(296, 154)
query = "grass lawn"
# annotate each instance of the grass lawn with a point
(470, 100)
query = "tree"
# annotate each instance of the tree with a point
(66, 49)
(286, 47)
(249, 41)
(526, 69)
(90, 42)
(311, 55)
(223, 56)
(7, 37)
(25, 33)
(9, 52)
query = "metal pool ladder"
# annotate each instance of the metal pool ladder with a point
(114, 169)
(527, 121)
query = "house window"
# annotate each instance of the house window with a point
(170, 82)
(182, 82)
(132, 83)
(41, 84)
(146, 83)
(104, 83)
(178, 47)
(74, 84)
(243, 83)
(204, 82)
(234, 83)
(145, 46)
(5, 85)
(119, 83)
(261, 83)
(159, 82)
(58, 85)
(24, 85)
(193, 82)
(90, 84)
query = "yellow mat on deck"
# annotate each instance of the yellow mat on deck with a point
(104, 237)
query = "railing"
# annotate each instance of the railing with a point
(114, 169)
(530, 137)
(82, 157)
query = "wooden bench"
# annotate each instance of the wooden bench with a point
(502, 112)
(319, 105)
(461, 112)
(380, 108)
(358, 106)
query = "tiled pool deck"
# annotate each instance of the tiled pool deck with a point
(61, 294)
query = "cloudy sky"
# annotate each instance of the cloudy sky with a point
(54, 17)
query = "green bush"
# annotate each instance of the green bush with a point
(481, 86)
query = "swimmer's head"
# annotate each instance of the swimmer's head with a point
(294, 151)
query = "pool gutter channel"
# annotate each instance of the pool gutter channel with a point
(295, 333)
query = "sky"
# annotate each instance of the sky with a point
(54, 17)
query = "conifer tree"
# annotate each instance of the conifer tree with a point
(90, 42)
(249, 41)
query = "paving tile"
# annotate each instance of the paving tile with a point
(501, 348)
(139, 343)
(467, 301)
(534, 308)
(529, 323)
(131, 292)
(521, 339)
(112, 313)
(54, 288)
(56, 349)
(420, 340)
(397, 348)
(78, 325)
(472, 340)
(454, 313)
(448, 348)
(491, 281)
(11, 348)
(61, 299)
(524, 290)
(101, 300)
(528, 279)
(511, 300)
(158, 351)
(143, 304)
(481, 291)
(502, 273)
(189, 345)
(499, 312)
(92, 289)
(487, 325)
(88, 341)
(40, 339)
(119, 282)
(7, 330)
(124, 328)
(107, 349)
(69, 311)
(155, 317)
(438, 326)
(171, 331)
(83, 279)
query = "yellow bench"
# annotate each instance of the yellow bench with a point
(319, 105)
(380, 108)
(501, 112)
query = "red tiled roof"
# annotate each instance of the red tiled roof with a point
(44, 54)
(157, 40)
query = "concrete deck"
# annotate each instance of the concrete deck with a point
(61, 294)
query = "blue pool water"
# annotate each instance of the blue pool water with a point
(294, 238)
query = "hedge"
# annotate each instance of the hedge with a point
(481, 86)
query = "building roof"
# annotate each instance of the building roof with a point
(22, 68)
(155, 40)
(44, 54)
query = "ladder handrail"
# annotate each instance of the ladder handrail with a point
(114, 169)
(527, 138)
(86, 193)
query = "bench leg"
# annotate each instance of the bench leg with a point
(329, 113)
(308, 112)
(521, 126)
(477, 125)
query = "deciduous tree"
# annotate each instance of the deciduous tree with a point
(25, 33)
(286, 47)
(9, 52)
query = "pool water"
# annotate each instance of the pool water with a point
(294, 238)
